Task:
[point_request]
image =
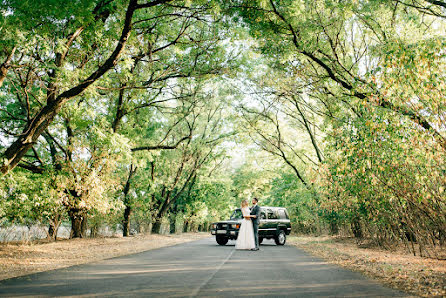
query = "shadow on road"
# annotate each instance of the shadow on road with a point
(201, 269)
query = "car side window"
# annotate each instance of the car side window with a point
(282, 214)
(271, 215)
(262, 215)
(237, 214)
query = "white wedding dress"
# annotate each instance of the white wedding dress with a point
(245, 239)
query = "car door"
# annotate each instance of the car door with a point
(263, 223)
(284, 222)
(272, 222)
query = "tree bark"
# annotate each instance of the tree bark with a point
(52, 231)
(156, 226)
(164, 147)
(54, 227)
(186, 226)
(334, 228)
(438, 3)
(173, 222)
(127, 203)
(356, 228)
(5, 66)
(126, 221)
(94, 230)
(119, 110)
(78, 224)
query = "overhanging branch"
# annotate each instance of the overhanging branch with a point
(160, 147)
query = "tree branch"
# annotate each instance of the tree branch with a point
(158, 147)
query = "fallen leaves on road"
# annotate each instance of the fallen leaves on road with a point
(22, 259)
(416, 275)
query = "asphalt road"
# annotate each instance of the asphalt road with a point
(201, 269)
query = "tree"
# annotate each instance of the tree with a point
(57, 95)
(179, 168)
(372, 84)
(31, 199)
(316, 33)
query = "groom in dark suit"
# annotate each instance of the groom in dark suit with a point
(255, 215)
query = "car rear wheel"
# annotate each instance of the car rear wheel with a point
(260, 240)
(280, 239)
(222, 240)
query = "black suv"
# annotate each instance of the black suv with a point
(274, 223)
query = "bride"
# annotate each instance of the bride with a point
(245, 239)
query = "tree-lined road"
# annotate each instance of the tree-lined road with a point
(203, 269)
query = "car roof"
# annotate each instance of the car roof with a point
(269, 207)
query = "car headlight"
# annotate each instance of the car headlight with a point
(235, 226)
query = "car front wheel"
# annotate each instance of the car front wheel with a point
(280, 239)
(260, 240)
(222, 240)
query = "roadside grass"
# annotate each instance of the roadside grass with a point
(396, 268)
(21, 259)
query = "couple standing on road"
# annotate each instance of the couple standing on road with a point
(248, 235)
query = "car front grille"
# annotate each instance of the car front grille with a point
(222, 226)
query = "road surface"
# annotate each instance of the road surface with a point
(201, 269)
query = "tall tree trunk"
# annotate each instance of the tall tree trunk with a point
(186, 226)
(126, 221)
(156, 225)
(78, 224)
(54, 227)
(173, 223)
(94, 229)
(127, 203)
(157, 220)
(334, 227)
(119, 110)
(356, 227)
(52, 233)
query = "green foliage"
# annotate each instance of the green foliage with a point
(210, 200)
(251, 181)
(333, 109)
(29, 199)
(370, 74)
(301, 203)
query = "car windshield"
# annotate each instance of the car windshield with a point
(237, 214)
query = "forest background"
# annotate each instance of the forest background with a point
(163, 115)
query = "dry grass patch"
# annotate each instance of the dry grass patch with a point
(22, 259)
(416, 275)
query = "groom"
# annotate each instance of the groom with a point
(255, 215)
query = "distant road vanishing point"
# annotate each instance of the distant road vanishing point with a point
(201, 269)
